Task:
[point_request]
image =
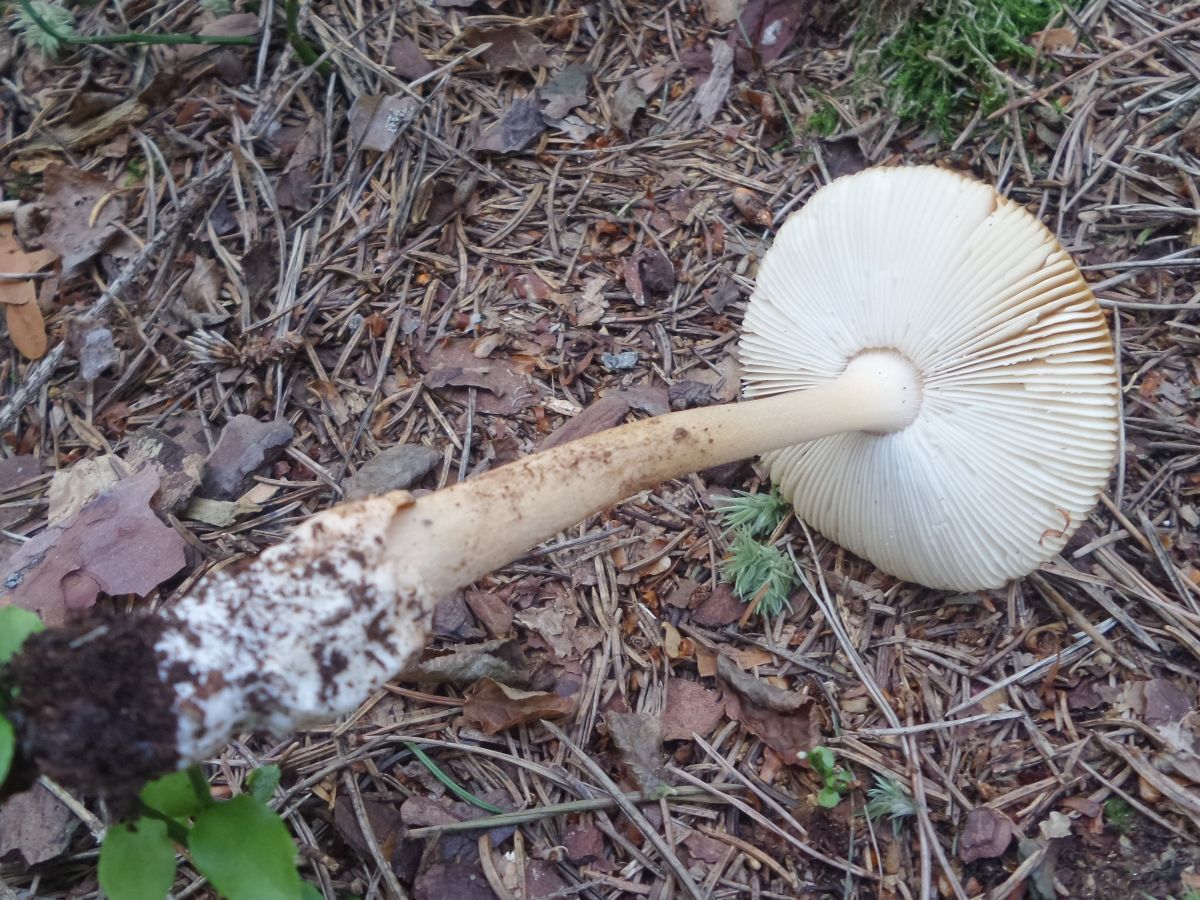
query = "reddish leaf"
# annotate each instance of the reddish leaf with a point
(494, 707)
(115, 544)
(986, 834)
(719, 608)
(691, 708)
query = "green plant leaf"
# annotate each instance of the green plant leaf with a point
(262, 782)
(821, 759)
(245, 850)
(175, 795)
(16, 624)
(137, 861)
(829, 798)
(8, 741)
(309, 891)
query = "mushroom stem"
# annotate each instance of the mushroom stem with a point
(450, 538)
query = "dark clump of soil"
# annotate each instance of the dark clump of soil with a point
(1145, 861)
(90, 708)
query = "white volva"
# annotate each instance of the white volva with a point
(1017, 430)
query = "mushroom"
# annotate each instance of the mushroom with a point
(933, 387)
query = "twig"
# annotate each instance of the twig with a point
(41, 372)
(632, 812)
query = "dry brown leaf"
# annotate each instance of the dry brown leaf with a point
(986, 834)
(513, 47)
(82, 211)
(26, 327)
(493, 706)
(691, 709)
(771, 26)
(520, 125)
(783, 720)
(718, 608)
(377, 119)
(406, 58)
(1054, 40)
(498, 660)
(453, 367)
(639, 737)
(36, 825)
(115, 544)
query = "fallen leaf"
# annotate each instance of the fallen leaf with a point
(516, 130)
(648, 272)
(704, 848)
(584, 843)
(245, 446)
(604, 413)
(513, 47)
(462, 881)
(18, 471)
(554, 625)
(494, 707)
(710, 93)
(219, 513)
(452, 367)
(115, 544)
(72, 489)
(639, 737)
(691, 709)
(377, 119)
(82, 210)
(384, 819)
(565, 91)
(986, 834)
(393, 469)
(493, 613)
(406, 58)
(543, 881)
(234, 25)
(719, 608)
(626, 101)
(1165, 702)
(1054, 40)
(770, 26)
(26, 328)
(452, 620)
(783, 720)
(36, 826)
(501, 661)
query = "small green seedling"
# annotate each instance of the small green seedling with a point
(16, 625)
(760, 574)
(836, 779)
(760, 514)
(241, 846)
(1119, 814)
(889, 798)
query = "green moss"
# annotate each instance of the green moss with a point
(824, 121)
(940, 62)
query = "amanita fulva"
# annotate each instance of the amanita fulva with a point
(935, 389)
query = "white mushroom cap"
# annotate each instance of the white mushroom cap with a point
(1018, 425)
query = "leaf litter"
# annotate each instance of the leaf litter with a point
(520, 254)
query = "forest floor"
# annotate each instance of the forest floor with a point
(472, 223)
